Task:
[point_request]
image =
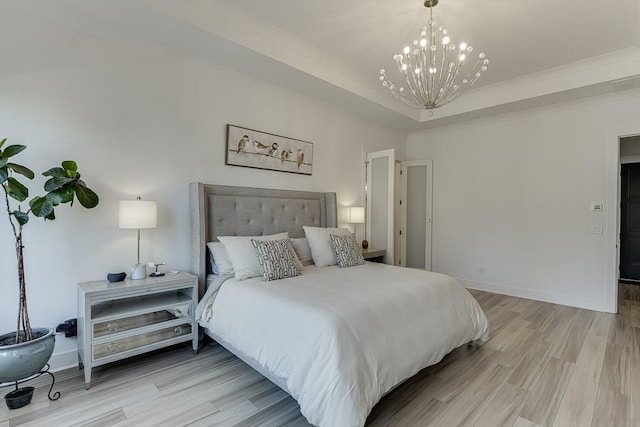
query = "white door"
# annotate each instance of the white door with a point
(416, 202)
(380, 202)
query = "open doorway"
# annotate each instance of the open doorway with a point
(629, 220)
(630, 209)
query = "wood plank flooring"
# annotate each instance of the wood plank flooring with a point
(545, 365)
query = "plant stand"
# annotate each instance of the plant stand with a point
(16, 400)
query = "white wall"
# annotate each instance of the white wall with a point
(630, 149)
(141, 124)
(512, 195)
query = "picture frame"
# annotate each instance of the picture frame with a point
(251, 148)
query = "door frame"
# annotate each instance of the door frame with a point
(391, 155)
(614, 197)
(429, 211)
(628, 162)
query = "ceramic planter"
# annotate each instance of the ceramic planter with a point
(20, 361)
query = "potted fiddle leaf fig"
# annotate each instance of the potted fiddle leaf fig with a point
(27, 350)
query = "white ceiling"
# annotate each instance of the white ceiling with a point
(520, 37)
(541, 51)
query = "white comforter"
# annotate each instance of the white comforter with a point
(342, 338)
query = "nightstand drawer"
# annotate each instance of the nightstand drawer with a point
(115, 326)
(111, 348)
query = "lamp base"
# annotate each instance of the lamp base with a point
(138, 271)
(365, 244)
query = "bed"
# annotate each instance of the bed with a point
(336, 339)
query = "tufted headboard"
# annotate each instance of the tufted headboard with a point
(219, 210)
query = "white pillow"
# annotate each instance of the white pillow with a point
(294, 255)
(303, 251)
(243, 255)
(220, 259)
(320, 244)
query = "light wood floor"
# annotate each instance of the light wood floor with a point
(545, 365)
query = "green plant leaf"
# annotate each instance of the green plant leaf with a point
(2, 142)
(54, 197)
(4, 174)
(12, 150)
(86, 196)
(70, 167)
(21, 217)
(41, 206)
(63, 194)
(51, 216)
(3, 162)
(56, 182)
(59, 172)
(22, 170)
(16, 190)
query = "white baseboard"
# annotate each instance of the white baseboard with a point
(534, 294)
(64, 360)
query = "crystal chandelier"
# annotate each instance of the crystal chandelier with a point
(435, 70)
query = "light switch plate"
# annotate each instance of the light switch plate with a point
(596, 229)
(597, 207)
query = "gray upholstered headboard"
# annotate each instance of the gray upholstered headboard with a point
(219, 210)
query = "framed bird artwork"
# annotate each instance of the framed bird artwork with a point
(262, 150)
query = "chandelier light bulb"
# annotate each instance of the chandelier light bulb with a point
(435, 50)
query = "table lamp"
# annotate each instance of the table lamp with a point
(355, 215)
(138, 214)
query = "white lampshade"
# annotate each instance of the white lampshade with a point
(355, 215)
(138, 214)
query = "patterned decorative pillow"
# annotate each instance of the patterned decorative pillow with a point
(276, 259)
(346, 250)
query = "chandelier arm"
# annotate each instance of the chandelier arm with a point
(425, 78)
(469, 82)
(397, 94)
(432, 57)
(416, 83)
(412, 88)
(451, 74)
(442, 68)
(405, 100)
(450, 82)
(423, 66)
(465, 87)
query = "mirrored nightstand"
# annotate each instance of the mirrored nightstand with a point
(374, 255)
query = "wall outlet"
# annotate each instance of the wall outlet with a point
(481, 270)
(596, 229)
(597, 207)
